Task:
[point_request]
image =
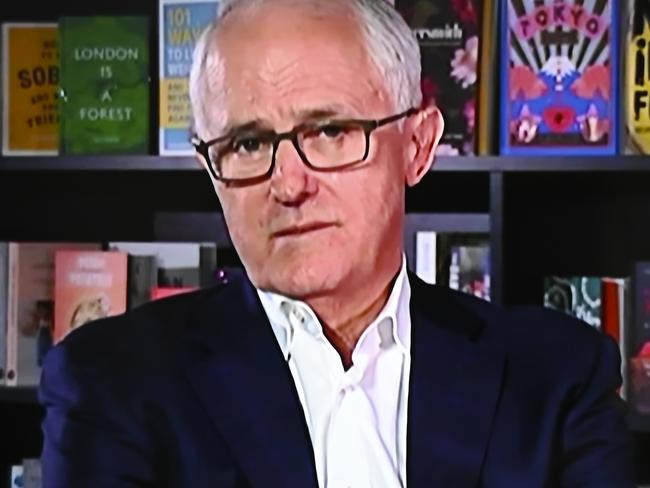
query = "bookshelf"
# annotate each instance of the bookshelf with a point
(544, 215)
(444, 164)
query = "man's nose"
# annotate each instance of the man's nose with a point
(291, 181)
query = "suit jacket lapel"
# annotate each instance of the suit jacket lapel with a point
(240, 375)
(454, 390)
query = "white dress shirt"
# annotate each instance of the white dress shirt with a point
(356, 418)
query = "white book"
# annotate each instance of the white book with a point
(425, 256)
(16, 477)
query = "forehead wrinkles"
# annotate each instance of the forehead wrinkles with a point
(295, 76)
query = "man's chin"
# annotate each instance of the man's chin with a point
(301, 280)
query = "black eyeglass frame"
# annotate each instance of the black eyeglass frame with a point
(203, 147)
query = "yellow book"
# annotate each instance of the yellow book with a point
(637, 80)
(30, 121)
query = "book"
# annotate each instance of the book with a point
(142, 278)
(578, 296)
(160, 292)
(181, 23)
(636, 90)
(32, 473)
(638, 361)
(487, 78)
(30, 78)
(178, 263)
(559, 90)
(449, 37)
(446, 242)
(614, 314)
(104, 85)
(426, 256)
(16, 476)
(4, 294)
(469, 270)
(89, 285)
(30, 297)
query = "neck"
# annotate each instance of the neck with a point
(345, 315)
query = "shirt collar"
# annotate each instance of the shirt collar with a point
(392, 323)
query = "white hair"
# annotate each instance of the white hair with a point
(391, 45)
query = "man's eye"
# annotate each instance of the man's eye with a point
(247, 145)
(331, 131)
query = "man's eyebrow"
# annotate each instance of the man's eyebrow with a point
(308, 115)
(250, 126)
(319, 114)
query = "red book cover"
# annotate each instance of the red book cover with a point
(611, 309)
(88, 286)
(169, 291)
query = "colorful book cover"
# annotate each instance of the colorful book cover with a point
(469, 270)
(181, 23)
(104, 85)
(89, 285)
(578, 296)
(559, 77)
(29, 310)
(446, 242)
(448, 34)
(30, 78)
(637, 79)
(639, 359)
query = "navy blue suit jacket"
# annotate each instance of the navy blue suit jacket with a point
(193, 391)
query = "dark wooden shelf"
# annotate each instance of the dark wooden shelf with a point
(479, 164)
(18, 395)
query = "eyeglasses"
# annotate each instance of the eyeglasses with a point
(249, 156)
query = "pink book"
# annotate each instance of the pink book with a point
(88, 286)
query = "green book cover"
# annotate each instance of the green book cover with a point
(104, 85)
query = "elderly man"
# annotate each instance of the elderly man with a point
(327, 364)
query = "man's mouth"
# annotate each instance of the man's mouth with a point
(296, 230)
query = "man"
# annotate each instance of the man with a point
(327, 364)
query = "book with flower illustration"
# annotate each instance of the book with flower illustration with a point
(88, 285)
(559, 62)
(448, 34)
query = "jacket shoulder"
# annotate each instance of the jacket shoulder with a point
(150, 335)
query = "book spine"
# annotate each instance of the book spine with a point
(639, 354)
(142, 278)
(208, 264)
(486, 89)
(11, 376)
(4, 278)
(426, 256)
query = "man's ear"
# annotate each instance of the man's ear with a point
(426, 130)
